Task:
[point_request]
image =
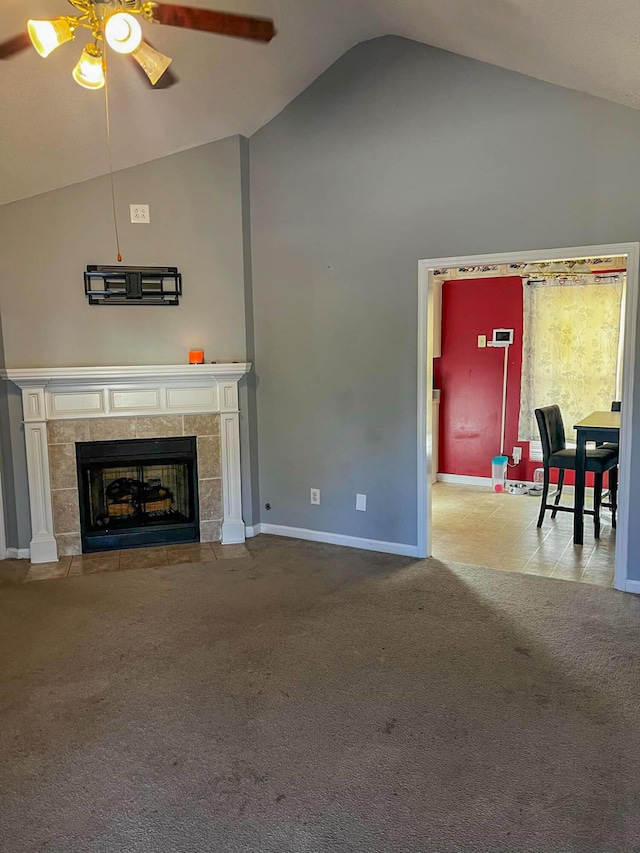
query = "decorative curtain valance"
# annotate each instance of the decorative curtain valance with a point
(570, 351)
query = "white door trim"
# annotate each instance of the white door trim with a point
(425, 379)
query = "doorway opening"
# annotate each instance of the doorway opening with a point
(515, 276)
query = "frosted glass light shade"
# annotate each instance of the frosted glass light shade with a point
(46, 36)
(152, 62)
(123, 32)
(89, 72)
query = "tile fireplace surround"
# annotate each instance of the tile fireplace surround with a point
(64, 405)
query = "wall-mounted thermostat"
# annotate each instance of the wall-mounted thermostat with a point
(502, 337)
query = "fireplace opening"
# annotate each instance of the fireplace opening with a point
(137, 493)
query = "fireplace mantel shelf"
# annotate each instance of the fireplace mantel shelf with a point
(40, 376)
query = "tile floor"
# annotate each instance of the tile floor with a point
(472, 524)
(134, 558)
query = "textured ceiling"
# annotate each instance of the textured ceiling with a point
(53, 132)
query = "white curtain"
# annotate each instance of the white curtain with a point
(570, 351)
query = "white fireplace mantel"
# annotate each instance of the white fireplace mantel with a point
(66, 393)
(30, 375)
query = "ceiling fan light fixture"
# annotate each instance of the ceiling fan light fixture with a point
(46, 36)
(123, 32)
(89, 72)
(152, 62)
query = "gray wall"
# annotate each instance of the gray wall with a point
(400, 152)
(6, 460)
(196, 224)
(47, 241)
(14, 459)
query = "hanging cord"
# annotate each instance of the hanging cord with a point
(113, 191)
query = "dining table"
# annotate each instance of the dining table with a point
(598, 427)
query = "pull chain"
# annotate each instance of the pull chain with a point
(113, 191)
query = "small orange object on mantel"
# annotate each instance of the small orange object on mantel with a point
(196, 356)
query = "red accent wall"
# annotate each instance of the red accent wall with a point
(470, 379)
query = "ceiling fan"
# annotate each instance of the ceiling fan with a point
(117, 23)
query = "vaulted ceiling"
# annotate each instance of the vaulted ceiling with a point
(52, 132)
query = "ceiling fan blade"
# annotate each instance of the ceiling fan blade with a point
(14, 45)
(208, 21)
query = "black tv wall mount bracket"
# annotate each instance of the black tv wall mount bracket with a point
(132, 285)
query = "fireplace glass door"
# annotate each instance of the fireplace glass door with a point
(138, 492)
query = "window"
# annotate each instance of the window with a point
(571, 348)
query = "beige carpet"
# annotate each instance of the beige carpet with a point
(310, 699)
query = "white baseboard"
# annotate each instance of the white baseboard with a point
(632, 586)
(464, 480)
(337, 539)
(467, 480)
(251, 530)
(18, 554)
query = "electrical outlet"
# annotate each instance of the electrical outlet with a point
(315, 497)
(517, 455)
(140, 214)
(361, 503)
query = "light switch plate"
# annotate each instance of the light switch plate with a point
(482, 341)
(140, 214)
(361, 503)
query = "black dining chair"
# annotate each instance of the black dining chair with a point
(616, 406)
(556, 454)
